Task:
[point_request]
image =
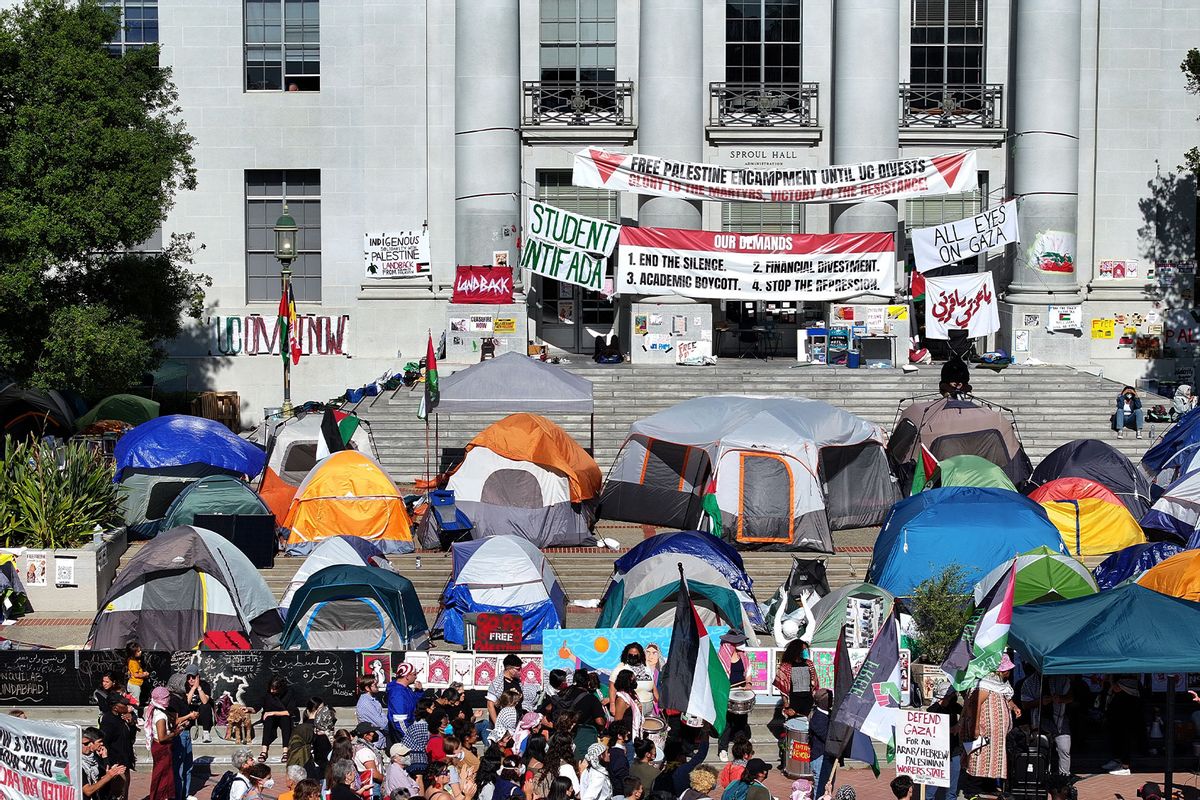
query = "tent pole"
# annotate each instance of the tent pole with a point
(592, 433)
(1169, 739)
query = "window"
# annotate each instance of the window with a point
(579, 41)
(266, 191)
(139, 25)
(555, 188)
(762, 217)
(283, 45)
(947, 42)
(929, 211)
(762, 41)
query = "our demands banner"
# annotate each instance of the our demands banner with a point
(943, 245)
(565, 246)
(760, 266)
(903, 178)
(39, 759)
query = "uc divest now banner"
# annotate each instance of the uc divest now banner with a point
(902, 178)
(943, 245)
(961, 302)
(759, 266)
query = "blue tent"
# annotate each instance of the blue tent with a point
(1186, 431)
(975, 527)
(1131, 562)
(502, 575)
(179, 442)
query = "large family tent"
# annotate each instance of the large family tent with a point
(186, 446)
(845, 606)
(1178, 576)
(129, 408)
(348, 493)
(1043, 576)
(1101, 463)
(1176, 513)
(652, 563)
(952, 427)
(1132, 562)
(30, 413)
(782, 472)
(354, 607)
(969, 470)
(1091, 526)
(213, 494)
(186, 583)
(527, 477)
(1184, 433)
(502, 575)
(966, 525)
(335, 551)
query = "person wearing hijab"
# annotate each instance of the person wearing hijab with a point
(179, 708)
(595, 782)
(732, 656)
(160, 732)
(986, 720)
(1183, 401)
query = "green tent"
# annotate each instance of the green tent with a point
(1043, 575)
(122, 407)
(968, 470)
(214, 494)
(829, 613)
(656, 608)
(355, 607)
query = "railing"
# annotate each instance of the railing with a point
(763, 105)
(951, 105)
(578, 103)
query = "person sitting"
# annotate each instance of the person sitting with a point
(1129, 410)
(1183, 401)
(607, 350)
(956, 379)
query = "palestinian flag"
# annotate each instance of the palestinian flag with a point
(924, 470)
(693, 681)
(432, 394)
(712, 509)
(842, 740)
(979, 650)
(873, 698)
(289, 341)
(917, 288)
(337, 428)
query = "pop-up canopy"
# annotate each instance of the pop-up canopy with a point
(512, 382)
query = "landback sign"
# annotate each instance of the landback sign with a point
(759, 266)
(902, 178)
(565, 246)
(943, 245)
(923, 747)
(40, 759)
(961, 302)
(484, 285)
(396, 255)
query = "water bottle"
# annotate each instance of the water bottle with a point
(418, 562)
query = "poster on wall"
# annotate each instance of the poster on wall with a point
(600, 649)
(949, 173)
(1114, 270)
(1052, 251)
(396, 255)
(567, 247)
(1104, 328)
(35, 567)
(760, 266)
(961, 302)
(1064, 318)
(943, 245)
(482, 285)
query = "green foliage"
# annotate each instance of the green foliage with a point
(55, 497)
(940, 607)
(1191, 71)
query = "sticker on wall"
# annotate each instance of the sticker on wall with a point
(640, 327)
(1021, 341)
(499, 258)
(1032, 321)
(505, 325)
(1052, 251)
(459, 324)
(566, 311)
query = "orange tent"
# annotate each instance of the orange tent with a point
(1178, 576)
(533, 438)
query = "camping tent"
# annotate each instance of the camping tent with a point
(348, 493)
(929, 531)
(969, 470)
(525, 476)
(784, 472)
(1178, 576)
(330, 552)
(26, 413)
(1185, 432)
(213, 494)
(1091, 526)
(185, 583)
(843, 607)
(1099, 462)
(122, 407)
(950, 427)
(1177, 511)
(502, 575)
(1043, 575)
(1131, 562)
(1178, 465)
(185, 446)
(355, 607)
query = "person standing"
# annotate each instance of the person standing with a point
(108, 693)
(117, 729)
(368, 709)
(1124, 721)
(947, 703)
(137, 674)
(181, 745)
(796, 678)
(818, 732)
(633, 660)
(160, 732)
(1129, 409)
(987, 718)
(732, 655)
(643, 767)
(1045, 702)
(402, 696)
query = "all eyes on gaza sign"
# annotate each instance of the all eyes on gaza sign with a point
(39, 760)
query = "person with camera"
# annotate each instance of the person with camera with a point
(1129, 409)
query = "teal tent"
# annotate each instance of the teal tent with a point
(122, 407)
(355, 607)
(717, 605)
(214, 494)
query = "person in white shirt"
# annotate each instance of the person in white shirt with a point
(595, 783)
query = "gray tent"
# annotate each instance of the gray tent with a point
(186, 583)
(787, 471)
(513, 382)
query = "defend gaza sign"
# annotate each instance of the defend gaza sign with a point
(943, 245)
(950, 173)
(567, 247)
(737, 266)
(923, 747)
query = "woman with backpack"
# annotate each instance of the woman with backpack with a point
(750, 786)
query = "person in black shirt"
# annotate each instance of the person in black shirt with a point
(580, 699)
(948, 702)
(116, 729)
(276, 717)
(102, 779)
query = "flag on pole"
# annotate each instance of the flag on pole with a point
(978, 651)
(289, 337)
(843, 741)
(925, 466)
(871, 702)
(432, 395)
(337, 428)
(693, 681)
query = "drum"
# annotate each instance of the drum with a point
(741, 701)
(655, 729)
(798, 755)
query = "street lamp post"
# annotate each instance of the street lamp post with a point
(285, 251)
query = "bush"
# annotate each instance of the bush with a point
(940, 607)
(55, 496)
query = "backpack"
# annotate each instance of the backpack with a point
(225, 785)
(325, 720)
(735, 791)
(731, 773)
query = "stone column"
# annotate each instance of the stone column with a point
(671, 99)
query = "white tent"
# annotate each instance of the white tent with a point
(353, 550)
(292, 444)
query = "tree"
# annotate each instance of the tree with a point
(1191, 71)
(940, 607)
(92, 154)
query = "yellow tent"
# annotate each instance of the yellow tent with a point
(1092, 526)
(350, 494)
(1178, 576)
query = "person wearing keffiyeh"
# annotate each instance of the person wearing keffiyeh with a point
(732, 655)
(595, 783)
(796, 664)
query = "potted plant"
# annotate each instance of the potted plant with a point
(940, 606)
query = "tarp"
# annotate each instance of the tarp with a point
(215, 494)
(30, 412)
(969, 470)
(123, 407)
(533, 438)
(1130, 629)
(178, 440)
(1178, 576)
(355, 607)
(1185, 432)
(513, 382)
(977, 528)
(1131, 562)
(1177, 511)
(1100, 462)
(1092, 527)
(1043, 575)
(331, 552)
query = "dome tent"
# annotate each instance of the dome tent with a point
(717, 552)
(213, 494)
(186, 446)
(31, 413)
(1102, 463)
(359, 608)
(1176, 513)
(1132, 562)
(1043, 575)
(1178, 576)
(830, 613)
(122, 407)
(969, 470)
(1184, 433)
(333, 551)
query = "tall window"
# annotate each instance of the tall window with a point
(929, 211)
(579, 41)
(283, 45)
(139, 24)
(555, 187)
(266, 191)
(762, 217)
(947, 42)
(762, 41)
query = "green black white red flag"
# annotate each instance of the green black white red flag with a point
(842, 741)
(337, 428)
(873, 699)
(693, 681)
(433, 394)
(978, 651)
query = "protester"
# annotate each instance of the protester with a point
(1183, 401)
(643, 767)
(160, 733)
(243, 761)
(396, 776)
(367, 760)
(1125, 722)
(416, 738)
(1129, 409)
(1045, 702)
(117, 729)
(742, 751)
(181, 745)
(733, 658)
(626, 708)
(595, 783)
(845, 792)
(682, 754)
(987, 718)
(796, 678)
(276, 718)
(561, 789)
(103, 779)
(137, 675)
(506, 718)
(307, 790)
(293, 776)
(947, 703)
(509, 680)
(321, 716)
(818, 731)
(108, 693)
(560, 763)
(199, 698)
(633, 661)
(700, 783)
(618, 753)
(368, 709)
(902, 787)
(753, 776)
(632, 789)
(341, 780)
(955, 380)
(300, 749)
(402, 696)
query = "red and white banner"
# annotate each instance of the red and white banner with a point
(758, 266)
(961, 302)
(950, 173)
(485, 285)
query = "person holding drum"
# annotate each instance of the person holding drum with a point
(796, 679)
(633, 660)
(732, 656)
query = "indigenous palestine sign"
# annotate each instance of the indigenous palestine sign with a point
(396, 255)
(737, 266)
(903, 178)
(943, 245)
(567, 247)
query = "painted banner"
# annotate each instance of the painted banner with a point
(961, 302)
(256, 335)
(484, 285)
(39, 759)
(950, 173)
(923, 747)
(600, 649)
(396, 255)
(943, 245)
(759, 266)
(567, 247)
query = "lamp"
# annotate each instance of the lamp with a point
(285, 251)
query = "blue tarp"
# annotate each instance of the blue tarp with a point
(1186, 431)
(978, 528)
(179, 440)
(1131, 562)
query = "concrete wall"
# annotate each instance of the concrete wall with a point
(93, 566)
